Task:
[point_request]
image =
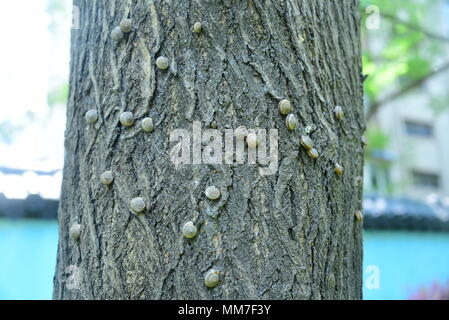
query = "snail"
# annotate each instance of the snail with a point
(307, 142)
(189, 230)
(197, 27)
(116, 34)
(358, 215)
(126, 25)
(339, 114)
(364, 141)
(212, 192)
(162, 63)
(91, 116)
(127, 119)
(252, 140)
(147, 125)
(338, 169)
(213, 124)
(212, 278)
(75, 231)
(285, 107)
(137, 205)
(291, 122)
(106, 177)
(313, 153)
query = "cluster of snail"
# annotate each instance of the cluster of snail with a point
(286, 108)
(189, 230)
(126, 119)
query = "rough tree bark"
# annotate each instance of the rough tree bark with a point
(291, 235)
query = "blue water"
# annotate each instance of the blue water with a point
(406, 261)
(27, 258)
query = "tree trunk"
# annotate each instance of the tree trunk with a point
(290, 234)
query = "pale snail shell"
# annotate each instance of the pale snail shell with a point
(75, 231)
(126, 25)
(307, 142)
(339, 114)
(106, 177)
(358, 215)
(91, 116)
(212, 192)
(213, 124)
(127, 119)
(189, 230)
(241, 132)
(197, 27)
(291, 121)
(162, 63)
(338, 169)
(147, 125)
(212, 278)
(285, 107)
(364, 141)
(252, 140)
(137, 205)
(313, 153)
(116, 34)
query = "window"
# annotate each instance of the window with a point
(419, 129)
(426, 180)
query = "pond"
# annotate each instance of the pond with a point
(403, 261)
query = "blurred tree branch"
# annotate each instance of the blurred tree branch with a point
(377, 105)
(414, 27)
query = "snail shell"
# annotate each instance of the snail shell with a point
(307, 142)
(91, 116)
(126, 25)
(213, 124)
(106, 177)
(252, 140)
(212, 278)
(291, 121)
(197, 27)
(358, 215)
(338, 169)
(75, 231)
(189, 230)
(313, 153)
(162, 63)
(339, 113)
(147, 125)
(137, 205)
(364, 141)
(212, 192)
(285, 107)
(116, 34)
(127, 119)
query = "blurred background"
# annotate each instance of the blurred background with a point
(406, 68)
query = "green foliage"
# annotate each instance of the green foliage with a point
(408, 50)
(377, 140)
